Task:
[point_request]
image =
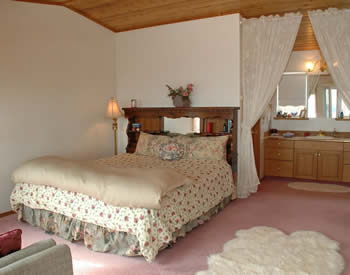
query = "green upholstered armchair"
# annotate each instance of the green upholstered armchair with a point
(44, 257)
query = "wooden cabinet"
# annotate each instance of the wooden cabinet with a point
(330, 166)
(307, 159)
(318, 160)
(305, 164)
(278, 154)
(346, 167)
(278, 158)
(278, 168)
(279, 143)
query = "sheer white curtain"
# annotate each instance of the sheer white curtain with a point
(267, 43)
(312, 81)
(332, 30)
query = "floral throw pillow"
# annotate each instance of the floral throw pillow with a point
(149, 145)
(213, 148)
(171, 151)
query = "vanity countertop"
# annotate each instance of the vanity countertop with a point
(321, 139)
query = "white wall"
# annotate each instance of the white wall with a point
(203, 52)
(297, 60)
(57, 71)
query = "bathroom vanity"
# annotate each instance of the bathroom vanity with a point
(314, 157)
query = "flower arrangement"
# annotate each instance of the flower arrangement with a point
(181, 91)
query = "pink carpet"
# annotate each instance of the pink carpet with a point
(274, 205)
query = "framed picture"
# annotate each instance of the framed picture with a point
(302, 114)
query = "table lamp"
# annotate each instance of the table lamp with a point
(113, 112)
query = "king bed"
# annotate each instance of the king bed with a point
(139, 202)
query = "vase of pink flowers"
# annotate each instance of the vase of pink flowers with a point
(181, 95)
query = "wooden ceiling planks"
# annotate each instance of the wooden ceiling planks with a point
(124, 15)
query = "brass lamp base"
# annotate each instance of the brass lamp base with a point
(115, 127)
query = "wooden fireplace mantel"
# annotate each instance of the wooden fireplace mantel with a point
(154, 118)
(177, 112)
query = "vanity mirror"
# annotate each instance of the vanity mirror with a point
(292, 94)
(316, 93)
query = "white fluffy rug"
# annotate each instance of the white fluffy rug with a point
(268, 251)
(319, 187)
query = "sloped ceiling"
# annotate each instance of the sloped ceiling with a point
(124, 15)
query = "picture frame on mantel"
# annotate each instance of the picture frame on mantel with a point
(302, 113)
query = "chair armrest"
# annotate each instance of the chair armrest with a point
(56, 260)
(25, 252)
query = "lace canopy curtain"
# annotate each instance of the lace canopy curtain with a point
(267, 43)
(324, 82)
(312, 81)
(332, 30)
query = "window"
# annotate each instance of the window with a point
(345, 109)
(311, 108)
(333, 104)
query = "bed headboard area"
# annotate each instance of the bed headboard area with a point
(222, 121)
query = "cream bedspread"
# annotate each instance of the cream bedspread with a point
(128, 187)
(212, 182)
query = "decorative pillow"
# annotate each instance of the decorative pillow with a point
(149, 145)
(10, 242)
(171, 151)
(213, 148)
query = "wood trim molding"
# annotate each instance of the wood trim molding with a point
(2, 215)
(177, 112)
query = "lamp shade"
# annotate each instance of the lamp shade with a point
(113, 110)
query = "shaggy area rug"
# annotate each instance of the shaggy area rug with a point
(268, 251)
(319, 187)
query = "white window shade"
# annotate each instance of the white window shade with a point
(292, 90)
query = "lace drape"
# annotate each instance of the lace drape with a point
(332, 30)
(267, 43)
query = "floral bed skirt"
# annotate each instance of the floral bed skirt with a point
(98, 238)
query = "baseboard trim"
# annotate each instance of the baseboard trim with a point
(6, 214)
